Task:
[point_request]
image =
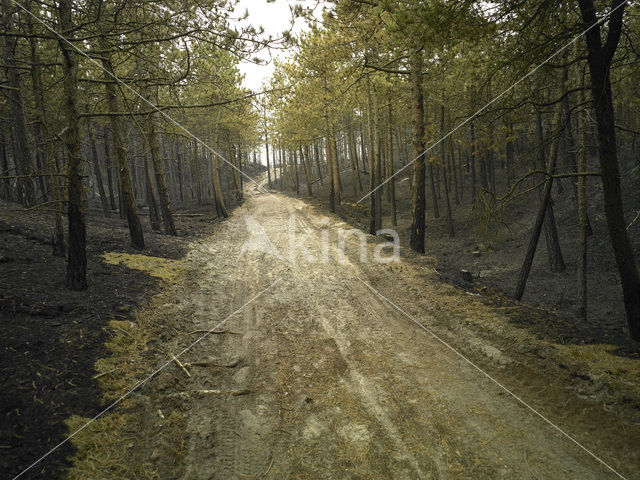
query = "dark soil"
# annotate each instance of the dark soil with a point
(52, 336)
(488, 263)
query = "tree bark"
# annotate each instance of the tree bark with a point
(128, 200)
(417, 114)
(390, 167)
(443, 154)
(542, 211)
(21, 152)
(77, 259)
(304, 157)
(353, 154)
(98, 173)
(599, 59)
(372, 167)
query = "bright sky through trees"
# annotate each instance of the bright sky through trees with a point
(276, 18)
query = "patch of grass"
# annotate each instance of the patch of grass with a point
(163, 268)
(104, 449)
(118, 445)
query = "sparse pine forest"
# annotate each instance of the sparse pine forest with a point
(499, 142)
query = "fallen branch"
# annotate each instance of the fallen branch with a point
(98, 375)
(209, 363)
(216, 332)
(175, 359)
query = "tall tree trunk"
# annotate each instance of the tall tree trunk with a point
(197, 180)
(417, 114)
(336, 168)
(304, 158)
(40, 114)
(474, 188)
(353, 154)
(378, 161)
(443, 154)
(217, 189)
(77, 259)
(266, 144)
(554, 252)
(317, 155)
(542, 211)
(158, 167)
(179, 173)
(98, 172)
(150, 196)
(21, 152)
(108, 160)
(372, 162)
(5, 190)
(236, 176)
(363, 150)
(583, 221)
(390, 167)
(295, 167)
(329, 154)
(58, 248)
(600, 57)
(128, 200)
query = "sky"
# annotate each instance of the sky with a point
(275, 17)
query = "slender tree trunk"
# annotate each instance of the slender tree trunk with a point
(295, 167)
(353, 153)
(153, 139)
(108, 160)
(336, 169)
(443, 154)
(417, 114)
(179, 174)
(600, 57)
(5, 192)
(304, 158)
(217, 189)
(542, 211)
(372, 162)
(266, 144)
(583, 223)
(378, 161)
(150, 197)
(354, 165)
(128, 200)
(197, 180)
(317, 155)
(390, 167)
(58, 248)
(40, 114)
(328, 152)
(21, 152)
(474, 193)
(77, 259)
(363, 150)
(104, 201)
(554, 252)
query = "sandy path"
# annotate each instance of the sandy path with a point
(321, 378)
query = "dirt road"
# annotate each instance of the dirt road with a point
(321, 378)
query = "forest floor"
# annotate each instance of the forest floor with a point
(52, 337)
(311, 373)
(493, 256)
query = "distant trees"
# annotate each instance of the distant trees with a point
(414, 71)
(122, 66)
